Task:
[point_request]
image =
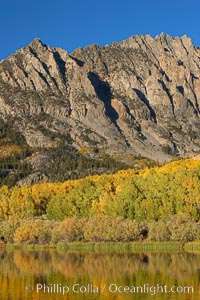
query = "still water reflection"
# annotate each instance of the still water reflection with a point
(42, 275)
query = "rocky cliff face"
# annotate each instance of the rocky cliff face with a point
(138, 96)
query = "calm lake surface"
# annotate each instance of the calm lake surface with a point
(56, 275)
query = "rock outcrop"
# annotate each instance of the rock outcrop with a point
(139, 96)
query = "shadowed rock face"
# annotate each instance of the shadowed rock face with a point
(138, 96)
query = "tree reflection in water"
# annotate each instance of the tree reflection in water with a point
(19, 268)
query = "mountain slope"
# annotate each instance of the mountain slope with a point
(140, 96)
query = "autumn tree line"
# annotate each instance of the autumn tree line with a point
(158, 204)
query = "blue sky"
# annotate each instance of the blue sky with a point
(77, 23)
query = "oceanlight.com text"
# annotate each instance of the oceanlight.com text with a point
(150, 289)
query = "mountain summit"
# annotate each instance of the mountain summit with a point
(140, 96)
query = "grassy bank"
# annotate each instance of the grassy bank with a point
(192, 247)
(113, 246)
(131, 246)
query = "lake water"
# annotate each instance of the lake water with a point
(41, 275)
